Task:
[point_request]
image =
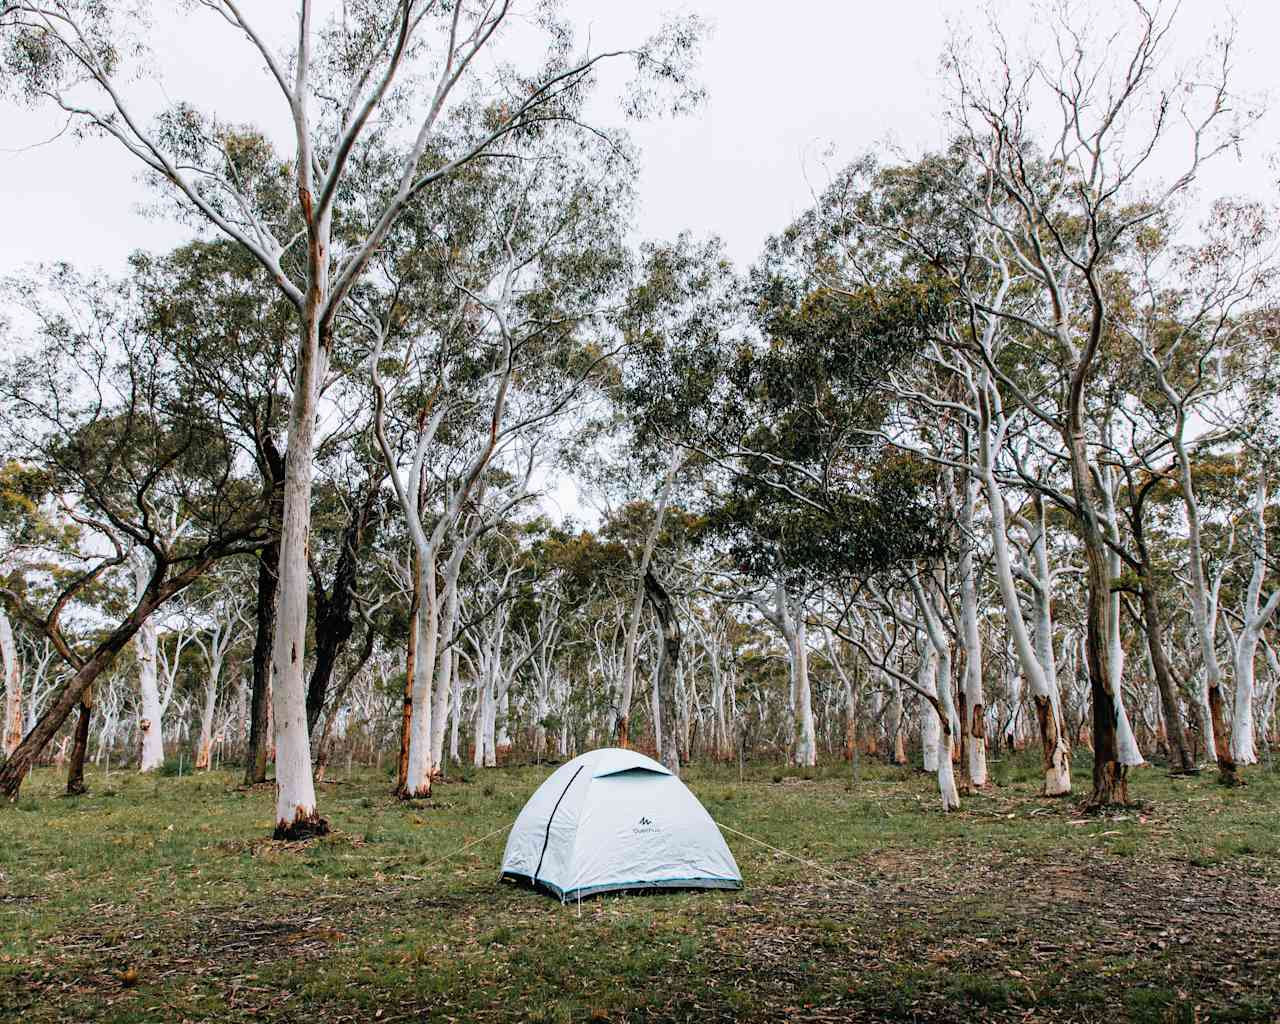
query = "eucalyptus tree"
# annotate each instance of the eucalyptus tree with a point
(349, 82)
(24, 528)
(1059, 207)
(217, 313)
(1257, 609)
(493, 311)
(1195, 318)
(92, 403)
(356, 510)
(229, 330)
(760, 383)
(683, 292)
(217, 607)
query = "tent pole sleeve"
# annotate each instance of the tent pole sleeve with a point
(547, 838)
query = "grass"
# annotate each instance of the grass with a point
(159, 898)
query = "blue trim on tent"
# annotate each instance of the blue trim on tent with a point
(564, 895)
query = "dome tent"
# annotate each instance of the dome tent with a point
(614, 819)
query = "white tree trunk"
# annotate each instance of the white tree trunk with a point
(1256, 616)
(424, 668)
(12, 723)
(1242, 729)
(975, 702)
(1036, 668)
(296, 809)
(491, 727)
(806, 736)
(455, 711)
(637, 603)
(480, 720)
(146, 644)
(930, 725)
(504, 716)
(1126, 743)
(939, 678)
(443, 684)
(205, 750)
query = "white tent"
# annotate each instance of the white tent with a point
(614, 819)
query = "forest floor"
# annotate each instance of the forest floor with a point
(161, 899)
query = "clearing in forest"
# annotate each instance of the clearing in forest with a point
(161, 899)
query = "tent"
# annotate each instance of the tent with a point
(614, 819)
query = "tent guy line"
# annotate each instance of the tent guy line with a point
(800, 860)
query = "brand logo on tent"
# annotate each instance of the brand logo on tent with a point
(645, 825)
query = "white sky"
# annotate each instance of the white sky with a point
(785, 82)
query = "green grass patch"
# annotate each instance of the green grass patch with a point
(162, 898)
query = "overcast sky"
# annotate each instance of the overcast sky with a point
(786, 82)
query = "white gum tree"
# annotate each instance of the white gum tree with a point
(622, 730)
(1108, 109)
(11, 666)
(348, 80)
(1255, 613)
(225, 617)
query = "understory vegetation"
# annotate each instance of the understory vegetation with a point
(159, 898)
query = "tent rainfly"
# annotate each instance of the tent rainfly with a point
(614, 819)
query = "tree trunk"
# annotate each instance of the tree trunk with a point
(1242, 747)
(204, 750)
(1126, 743)
(442, 684)
(941, 701)
(850, 722)
(418, 779)
(623, 726)
(79, 746)
(334, 624)
(15, 768)
(147, 647)
(1110, 782)
(296, 813)
(11, 725)
(896, 712)
(1174, 731)
(1256, 615)
(480, 721)
(410, 663)
(668, 664)
(805, 740)
(455, 718)
(1036, 662)
(1204, 616)
(972, 702)
(930, 724)
(255, 760)
(1228, 770)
